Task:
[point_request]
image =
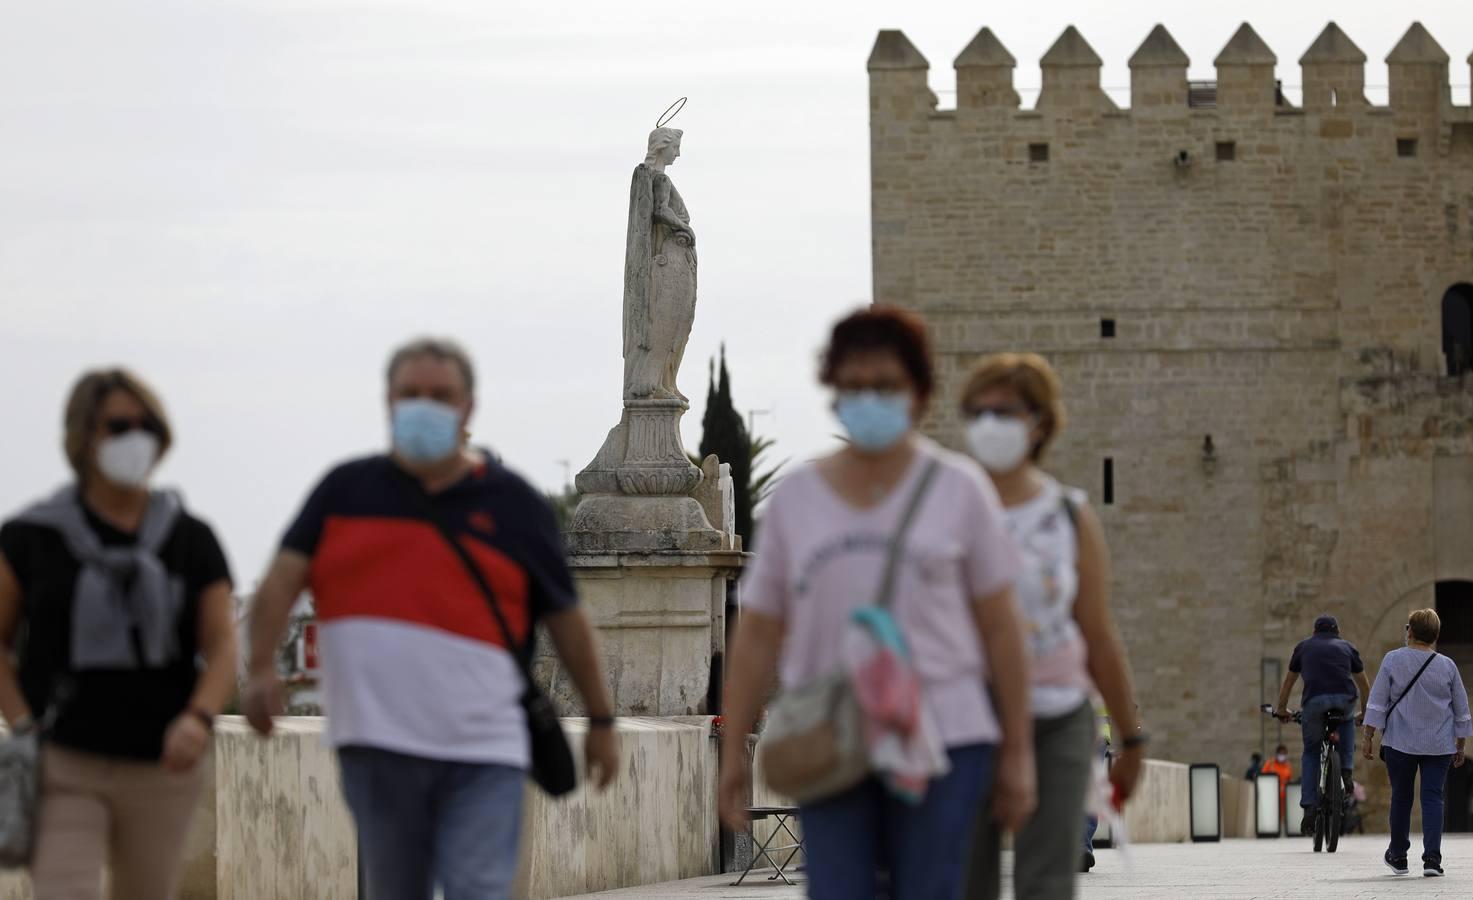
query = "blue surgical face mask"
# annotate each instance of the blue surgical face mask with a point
(425, 431)
(874, 421)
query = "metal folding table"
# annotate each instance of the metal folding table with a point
(781, 816)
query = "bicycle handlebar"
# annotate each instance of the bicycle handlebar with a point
(1293, 715)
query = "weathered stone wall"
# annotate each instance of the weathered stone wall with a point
(1285, 301)
(283, 830)
(1161, 811)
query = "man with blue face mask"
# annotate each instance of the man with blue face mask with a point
(422, 681)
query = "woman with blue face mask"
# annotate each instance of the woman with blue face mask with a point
(827, 533)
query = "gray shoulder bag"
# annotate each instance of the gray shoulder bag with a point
(813, 746)
(20, 786)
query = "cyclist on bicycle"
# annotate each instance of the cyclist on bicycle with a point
(1333, 672)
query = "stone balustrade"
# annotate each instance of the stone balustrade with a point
(275, 827)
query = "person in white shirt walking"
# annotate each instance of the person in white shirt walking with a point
(1420, 706)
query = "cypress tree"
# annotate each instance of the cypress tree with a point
(725, 434)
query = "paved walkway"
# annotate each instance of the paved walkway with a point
(1234, 870)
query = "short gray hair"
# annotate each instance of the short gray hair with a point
(444, 349)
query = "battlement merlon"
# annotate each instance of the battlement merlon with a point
(1418, 72)
(1332, 74)
(898, 82)
(1071, 76)
(1334, 70)
(984, 74)
(1158, 74)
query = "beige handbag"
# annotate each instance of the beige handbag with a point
(813, 746)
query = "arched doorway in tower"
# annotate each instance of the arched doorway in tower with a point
(1457, 329)
(1455, 609)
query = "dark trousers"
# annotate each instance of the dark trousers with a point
(1403, 769)
(1313, 728)
(851, 838)
(1047, 856)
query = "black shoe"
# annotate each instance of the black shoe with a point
(1431, 870)
(1088, 862)
(1398, 866)
(1306, 825)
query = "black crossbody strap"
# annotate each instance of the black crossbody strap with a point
(1410, 685)
(522, 654)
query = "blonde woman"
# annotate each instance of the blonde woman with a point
(1421, 708)
(1014, 411)
(119, 594)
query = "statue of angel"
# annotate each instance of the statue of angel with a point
(659, 275)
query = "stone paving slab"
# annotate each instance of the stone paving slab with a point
(1233, 870)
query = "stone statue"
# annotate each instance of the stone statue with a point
(659, 276)
(637, 492)
(653, 540)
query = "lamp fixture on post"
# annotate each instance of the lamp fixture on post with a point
(1266, 802)
(1209, 456)
(1205, 798)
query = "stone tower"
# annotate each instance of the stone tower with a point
(1260, 313)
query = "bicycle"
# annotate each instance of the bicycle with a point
(1329, 813)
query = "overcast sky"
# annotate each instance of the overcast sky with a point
(250, 203)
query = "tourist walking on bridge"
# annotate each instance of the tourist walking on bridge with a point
(420, 638)
(1421, 708)
(893, 539)
(1014, 410)
(122, 601)
(1333, 676)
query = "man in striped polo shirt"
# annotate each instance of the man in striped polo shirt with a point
(422, 688)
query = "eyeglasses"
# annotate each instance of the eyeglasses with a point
(120, 425)
(1009, 411)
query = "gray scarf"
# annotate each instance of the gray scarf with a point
(125, 602)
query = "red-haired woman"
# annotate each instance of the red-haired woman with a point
(826, 535)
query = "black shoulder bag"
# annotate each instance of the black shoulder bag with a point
(1392, 708)
(552, 759)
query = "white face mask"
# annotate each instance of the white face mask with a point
(127, 460)
(999, 443)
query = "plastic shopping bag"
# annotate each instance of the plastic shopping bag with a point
(905, 748)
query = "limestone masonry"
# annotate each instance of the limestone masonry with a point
(1257, 310)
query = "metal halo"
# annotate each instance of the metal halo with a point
(671, 113)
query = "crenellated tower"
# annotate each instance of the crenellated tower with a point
(1253, 296)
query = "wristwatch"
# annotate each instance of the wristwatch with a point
(600, 721)
(1139, 739)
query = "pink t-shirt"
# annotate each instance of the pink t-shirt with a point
(818, 559)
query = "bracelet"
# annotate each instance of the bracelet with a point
(1139, 739)
(22, 726)
(205, 718)
(600, 721)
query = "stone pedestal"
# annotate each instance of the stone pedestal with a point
(653, 568)
(660, 617)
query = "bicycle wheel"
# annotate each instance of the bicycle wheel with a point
(1332, 803)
